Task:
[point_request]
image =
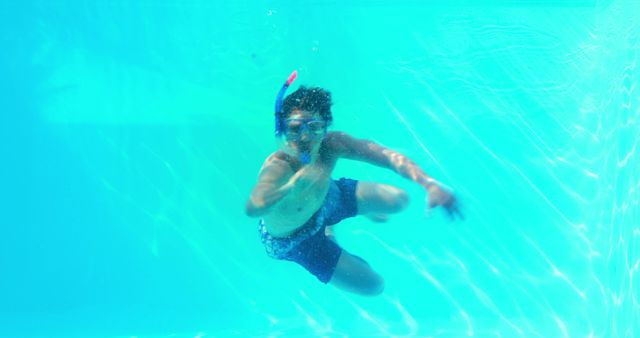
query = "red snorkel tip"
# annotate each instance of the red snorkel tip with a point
(292, 77)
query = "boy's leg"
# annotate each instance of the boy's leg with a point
(355, 275)
(376, 200)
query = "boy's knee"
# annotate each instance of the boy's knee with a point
(401, 200)
(374, 287)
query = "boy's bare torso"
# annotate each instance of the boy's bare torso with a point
(298, 206)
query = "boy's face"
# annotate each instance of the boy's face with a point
(304, 131)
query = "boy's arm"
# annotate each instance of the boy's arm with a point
(371, 152)
(276, 181)
(270, 188)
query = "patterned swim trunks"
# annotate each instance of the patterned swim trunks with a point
(309, 246)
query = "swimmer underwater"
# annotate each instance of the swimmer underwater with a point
(298, 202)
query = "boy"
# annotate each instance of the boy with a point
(297, 200)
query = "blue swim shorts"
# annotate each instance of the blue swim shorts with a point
(309, 246)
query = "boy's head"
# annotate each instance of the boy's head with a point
(304, 119)
(315, 100)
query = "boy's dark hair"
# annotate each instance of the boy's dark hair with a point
(313, 99)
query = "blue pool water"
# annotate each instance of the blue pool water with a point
(132, 134)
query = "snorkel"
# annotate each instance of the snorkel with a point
(305, 157)
(279, 121)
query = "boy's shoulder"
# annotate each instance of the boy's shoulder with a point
(337, 142)
(336, 139)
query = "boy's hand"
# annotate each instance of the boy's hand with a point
(310, 175)
(438, 196)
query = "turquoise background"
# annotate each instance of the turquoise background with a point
(132, 133)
